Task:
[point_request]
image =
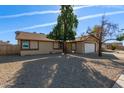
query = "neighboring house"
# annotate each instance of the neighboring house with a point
(114, 43)
(4, 43)
(118, 45)
(34, 43)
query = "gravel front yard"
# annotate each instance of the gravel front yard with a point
(60, 71)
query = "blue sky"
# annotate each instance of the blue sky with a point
(42, 18)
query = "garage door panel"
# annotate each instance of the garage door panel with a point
(89, 47)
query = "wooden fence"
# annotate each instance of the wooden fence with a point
(9, 50)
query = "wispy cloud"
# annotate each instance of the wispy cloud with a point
(120, 7)
(39, 12)
(38, 26)
(80, 7)
(79, 18)
(50, 11)
(30, 14)
(30, 27)
(99, 15)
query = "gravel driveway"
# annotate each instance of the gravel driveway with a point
(60, 71)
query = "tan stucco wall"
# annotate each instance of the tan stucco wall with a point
(19, 42)
(44, 48)
(79, 47)
(68, 45)
(97, 46)
(47, 47)
(74, 46)
(34, 44)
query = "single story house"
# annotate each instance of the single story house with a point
(35, 43)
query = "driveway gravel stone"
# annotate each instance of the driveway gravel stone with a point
(60, 71)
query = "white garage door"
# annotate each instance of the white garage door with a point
(89, 48)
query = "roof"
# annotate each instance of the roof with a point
(83, 38)
(41, 37)
(115, 43)
(31, 36)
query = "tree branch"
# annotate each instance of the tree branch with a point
(108, 40)
(93, 36)
(89, 31)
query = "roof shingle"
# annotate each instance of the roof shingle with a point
(31, 36)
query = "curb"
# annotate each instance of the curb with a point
(120, 82)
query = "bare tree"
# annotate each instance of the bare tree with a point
(104, 32)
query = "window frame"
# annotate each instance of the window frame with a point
(29, 45)
(22, 44)
(59, 45)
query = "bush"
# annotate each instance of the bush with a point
(113, 47)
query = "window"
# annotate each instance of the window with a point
(61, 45)
(57, 45)
(33, 44)
(25, 45)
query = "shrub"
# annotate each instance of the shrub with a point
(113, 47)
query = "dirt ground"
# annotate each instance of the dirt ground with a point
(61, 71)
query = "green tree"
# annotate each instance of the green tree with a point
(65, 29)
(120, 37)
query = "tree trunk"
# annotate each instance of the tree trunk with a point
(64, 36)
(64, 47)
(100, 39)
(100, 49)
(100, 42)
